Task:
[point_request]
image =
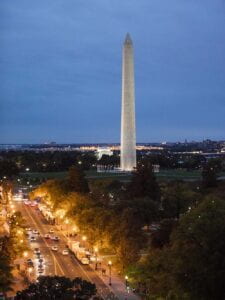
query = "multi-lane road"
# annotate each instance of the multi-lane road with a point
(55, 263)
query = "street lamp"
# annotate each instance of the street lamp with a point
(29, 272)
(84, 238)
(25, 253)
(96, 258)
(110, 267)
(126, 281)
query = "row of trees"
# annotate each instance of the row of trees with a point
(11, 247)
(60, 288)
(13, 162)
(188, 259)
(186, 246)
(113, 214)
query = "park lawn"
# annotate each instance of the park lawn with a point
(92, 174)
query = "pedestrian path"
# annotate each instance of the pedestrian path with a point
(119, 289)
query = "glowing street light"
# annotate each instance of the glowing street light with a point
(27, 169)
(84, 238)
(110, 267)
(25, 254)
(126, 281)
(96, 258)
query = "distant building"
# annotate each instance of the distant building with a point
(103, 151)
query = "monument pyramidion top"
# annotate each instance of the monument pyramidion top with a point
(128, 40)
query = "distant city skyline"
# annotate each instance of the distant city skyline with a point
(61, 70)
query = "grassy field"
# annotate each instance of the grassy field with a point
(162, 175)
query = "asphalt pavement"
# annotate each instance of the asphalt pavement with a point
(54, 261)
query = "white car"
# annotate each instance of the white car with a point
(33, 238)
(28, 229)
(51, 230)
(35, 231)
(65, 252)
(54, 248)
(84, 261)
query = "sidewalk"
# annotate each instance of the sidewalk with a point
(118, 285)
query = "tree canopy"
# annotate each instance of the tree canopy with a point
(60, 288)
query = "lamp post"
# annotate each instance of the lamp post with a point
(110, 267)
(96, 258)
(126, 281)
(84, 238)
(25, 254)
(30, 270)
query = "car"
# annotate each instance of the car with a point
(54, 248)
(56, 238)
(41, 271)
(35, 231)
(40, 260)
(65, 252)
(33, 238)
(84, 261)
(47, 236)
(40, 266)
(51, 230)
(27, 202)
(28, 229)
(37, 250)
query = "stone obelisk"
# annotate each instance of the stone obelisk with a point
(128, 130)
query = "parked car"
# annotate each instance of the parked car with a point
(65, 252)
(47, 236)
(33, 238)
(51, 230)
(84, 261)
(54, 248)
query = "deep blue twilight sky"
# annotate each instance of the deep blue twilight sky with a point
(60, 64)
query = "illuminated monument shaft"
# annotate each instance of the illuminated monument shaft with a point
(128, 130)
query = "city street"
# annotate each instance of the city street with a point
(55, 263)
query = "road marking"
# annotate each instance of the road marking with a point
(53, 256)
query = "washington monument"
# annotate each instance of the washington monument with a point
(128, 130)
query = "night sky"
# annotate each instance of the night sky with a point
(60, 63)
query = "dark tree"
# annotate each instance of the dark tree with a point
(56, 287)
(76, 181)
(210, 173)
(8, 169)
(144, 183)
(161, 236)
